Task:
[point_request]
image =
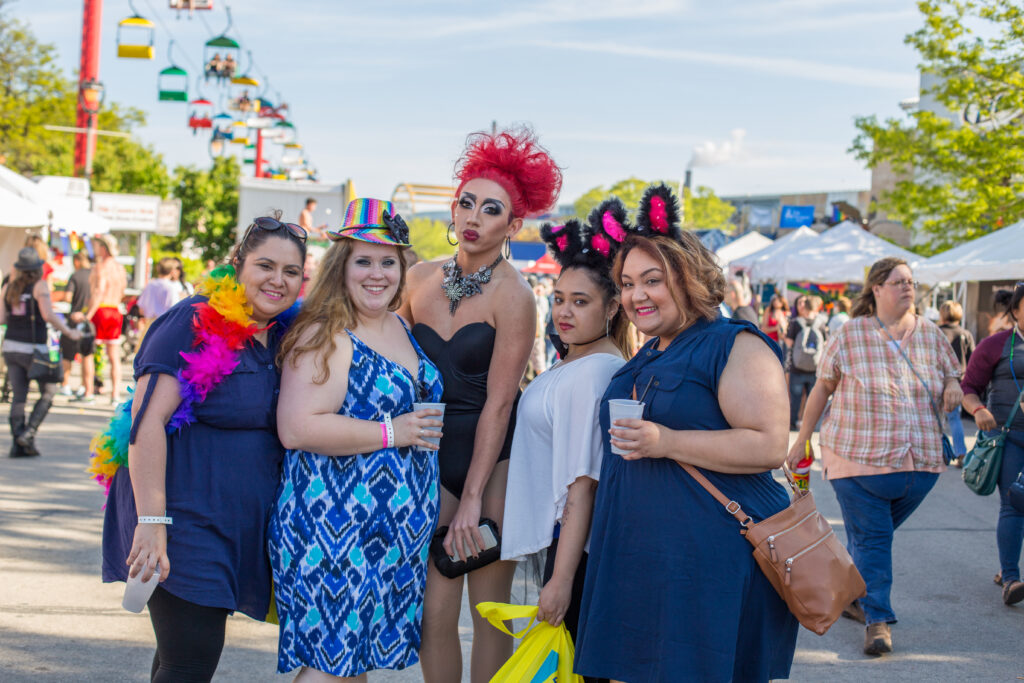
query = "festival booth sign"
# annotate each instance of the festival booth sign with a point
(750, 243)
(842, 254)
(998, 255)
(765, 265)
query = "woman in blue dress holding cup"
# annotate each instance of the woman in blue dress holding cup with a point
(359, 498)
(672, 591)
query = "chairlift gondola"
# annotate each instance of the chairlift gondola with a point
(220, 55)
(172, 82)
(200, 114)
(135, 36)
(190, 5)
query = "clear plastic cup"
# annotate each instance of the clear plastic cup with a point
(623, 409)
(431, 406)
(137, 592)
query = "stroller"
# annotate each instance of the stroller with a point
(131, 329)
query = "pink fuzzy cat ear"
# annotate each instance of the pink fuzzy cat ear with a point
(659, 212)
(563, 240)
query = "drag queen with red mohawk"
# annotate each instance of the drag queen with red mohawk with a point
(474, 316)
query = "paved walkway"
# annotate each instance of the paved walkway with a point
(59, 623)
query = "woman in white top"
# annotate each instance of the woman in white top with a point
(557, 446)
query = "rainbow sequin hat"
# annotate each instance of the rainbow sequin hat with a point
(372, 220)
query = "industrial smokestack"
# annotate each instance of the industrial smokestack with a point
(688, 180)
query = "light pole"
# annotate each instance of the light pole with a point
(90, 90)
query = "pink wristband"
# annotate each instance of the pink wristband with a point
(384, 435)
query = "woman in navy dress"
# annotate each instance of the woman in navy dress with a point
(672, 591)
(215, 477)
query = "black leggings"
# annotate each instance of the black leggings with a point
(18, 365)
(189, 639)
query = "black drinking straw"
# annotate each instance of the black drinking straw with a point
(644, 395)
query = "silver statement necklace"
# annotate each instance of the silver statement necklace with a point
(457, 286)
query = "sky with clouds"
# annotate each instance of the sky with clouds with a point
(382, 92)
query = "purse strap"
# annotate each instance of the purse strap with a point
(927, 389)
(731, 506)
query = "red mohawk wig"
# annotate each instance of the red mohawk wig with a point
(516, 161)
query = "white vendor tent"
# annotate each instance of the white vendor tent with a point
(66, 213)
(998, 255)
(765, 265)
(16, 212)
(841, 254)
(740, 247)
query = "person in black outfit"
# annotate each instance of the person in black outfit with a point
(26, 310)
(77, 292)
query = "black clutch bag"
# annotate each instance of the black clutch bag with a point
(452, 569)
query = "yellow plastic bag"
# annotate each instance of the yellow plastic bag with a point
(545, 654)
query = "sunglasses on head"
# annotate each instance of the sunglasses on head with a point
(271, 224)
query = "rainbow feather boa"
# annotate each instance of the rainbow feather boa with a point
(222, 326)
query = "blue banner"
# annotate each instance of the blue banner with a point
(796, 216)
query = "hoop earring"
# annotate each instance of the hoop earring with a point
(507, 251)
(450, 235)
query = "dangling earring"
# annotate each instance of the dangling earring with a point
(507, 252)
(450, 235)
(607, 327)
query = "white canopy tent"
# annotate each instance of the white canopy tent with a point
(764, 265)
(740, 247)
(64, 213)
(998, 255)
(17, 212)
(841, 254)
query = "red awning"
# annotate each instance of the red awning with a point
(545, 264)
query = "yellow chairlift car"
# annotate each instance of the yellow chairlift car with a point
(135, 37)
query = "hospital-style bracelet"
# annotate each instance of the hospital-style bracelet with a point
(155, 520)
(391, 430)
(383, 435)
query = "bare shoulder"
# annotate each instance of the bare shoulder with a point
(514, 289)
(423, 271)
(751, 352)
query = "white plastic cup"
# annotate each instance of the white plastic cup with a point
(137, 592)
(431, 406)
(623, 409)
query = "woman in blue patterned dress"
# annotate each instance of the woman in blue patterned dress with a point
(358, 501)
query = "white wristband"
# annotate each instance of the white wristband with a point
(155, 520)
(390, 429)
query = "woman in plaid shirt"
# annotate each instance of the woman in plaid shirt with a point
(890, 372)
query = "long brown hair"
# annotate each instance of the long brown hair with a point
(696, 283)
(328, 310)
(880, 270)
(24, 280)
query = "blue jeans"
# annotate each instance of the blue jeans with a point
(1010, 528)
(799, 381)
(873, 508)
(956, 431)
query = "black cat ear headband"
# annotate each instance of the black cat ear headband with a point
(595, 242)
(592, 244)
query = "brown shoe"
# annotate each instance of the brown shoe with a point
(854, 611)
(877, 639)
(1013, 592)
(998, 579)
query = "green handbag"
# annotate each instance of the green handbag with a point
(984, 462)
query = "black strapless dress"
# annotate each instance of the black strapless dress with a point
(463, 361)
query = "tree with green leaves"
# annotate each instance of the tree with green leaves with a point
(961, 162)
(428, 238)
(209, 207)
(34, 92)
(701, 211)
